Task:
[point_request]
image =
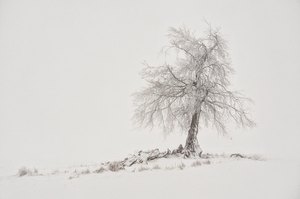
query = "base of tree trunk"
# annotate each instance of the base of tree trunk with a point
(192, 147)
(192, 151)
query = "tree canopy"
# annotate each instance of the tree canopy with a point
(198, 81)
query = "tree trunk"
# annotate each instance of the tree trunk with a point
(192, 147)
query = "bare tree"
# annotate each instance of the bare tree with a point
(194, 89)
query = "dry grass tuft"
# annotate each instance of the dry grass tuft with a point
(84, 172)
(256, 157)
(206, 162)
(196, 163)
(100, 170)
(156, 167)
(181, 166)
(141, 168)
(169, 168)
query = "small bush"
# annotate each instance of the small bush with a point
(115, 166)
(26, 171)
(23, 171)
(196, 163)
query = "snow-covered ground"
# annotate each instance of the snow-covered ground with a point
(164, 178)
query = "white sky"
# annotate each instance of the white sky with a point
(68, 68)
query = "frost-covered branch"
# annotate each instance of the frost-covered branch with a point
(198, 82)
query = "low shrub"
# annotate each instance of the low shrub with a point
(115, 166)
(26, 171)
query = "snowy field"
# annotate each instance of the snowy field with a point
(164, 178)
(67, 72)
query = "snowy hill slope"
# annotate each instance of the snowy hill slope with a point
(165, 178)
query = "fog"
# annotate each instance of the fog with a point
(68, 69)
